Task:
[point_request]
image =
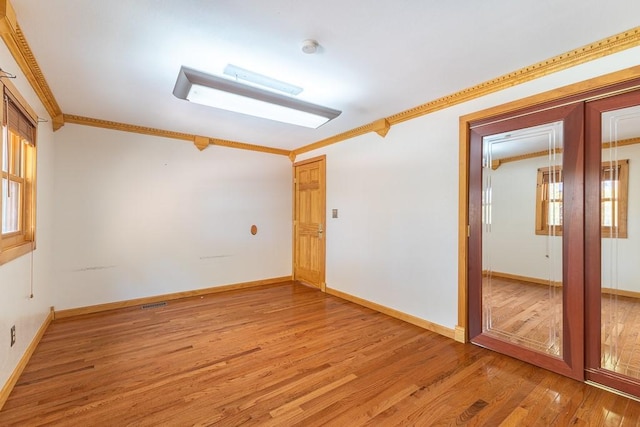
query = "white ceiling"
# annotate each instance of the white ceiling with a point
(118, 60)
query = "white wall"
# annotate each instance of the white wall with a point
(18, 275)
(138, 215)
(395, 241)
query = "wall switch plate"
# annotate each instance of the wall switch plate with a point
(334, 213)
(13, 335)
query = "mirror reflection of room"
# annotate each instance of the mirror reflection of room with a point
(522, 237)
(620, 250)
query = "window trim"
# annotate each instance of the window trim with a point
(16, 244)
(542, 201)
(542, 226)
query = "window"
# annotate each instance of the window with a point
(613, 200)
(17, 192)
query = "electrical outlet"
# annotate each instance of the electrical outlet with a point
(13, 335)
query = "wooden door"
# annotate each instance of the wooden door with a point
(309, 222)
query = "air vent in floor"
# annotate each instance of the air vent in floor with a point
(153, 305)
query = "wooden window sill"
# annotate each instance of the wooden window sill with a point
(9, 254)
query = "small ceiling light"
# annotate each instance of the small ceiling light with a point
(310, 46)
(206, 89)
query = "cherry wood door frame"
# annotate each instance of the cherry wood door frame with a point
(571, 363)
(323, 160)
(593, 321)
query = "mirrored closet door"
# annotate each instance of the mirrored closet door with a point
(525, 282)
(612, 211)
(554, 236)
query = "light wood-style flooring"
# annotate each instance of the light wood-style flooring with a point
(285, 355)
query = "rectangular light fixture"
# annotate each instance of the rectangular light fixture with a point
(202, 88)
(238, 73)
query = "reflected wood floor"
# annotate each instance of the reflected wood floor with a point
(621, 334)
(530, 314)
(524, 313)
(285, 355)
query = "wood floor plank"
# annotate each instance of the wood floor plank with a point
(427, 402)
(631, 417)
(285, 354)
(383, 378)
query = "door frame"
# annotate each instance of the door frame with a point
(323, 215)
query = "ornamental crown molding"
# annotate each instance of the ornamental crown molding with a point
(201, 142)
(17, 44)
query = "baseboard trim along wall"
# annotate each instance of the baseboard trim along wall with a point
(532, 280)
(425, 324)
(537, 281)
(460, 334)
(621, 292)
(13, 379)
(61, 314)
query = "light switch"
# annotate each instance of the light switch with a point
(334, 213)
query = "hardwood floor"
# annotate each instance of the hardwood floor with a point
(285, 355)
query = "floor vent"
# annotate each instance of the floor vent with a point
(153, 305)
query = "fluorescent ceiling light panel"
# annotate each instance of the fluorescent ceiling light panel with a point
(260, 80)
(196, 86)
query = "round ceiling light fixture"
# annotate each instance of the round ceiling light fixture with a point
(310, 46)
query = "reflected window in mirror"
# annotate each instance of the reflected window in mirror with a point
(613, 200)
(549, 201)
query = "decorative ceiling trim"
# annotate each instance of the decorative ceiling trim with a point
(88, 121)
(377, 126)
(201, 142)
(599, 49)
(381, 127)
(17, 44)
(590, 52)
(250, 147)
